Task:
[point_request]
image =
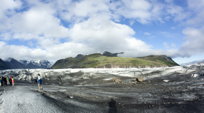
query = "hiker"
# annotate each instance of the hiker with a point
(0, 81)
(7, 80)
(4, 81)
(39, 80)
(11, 81)
(112, 106)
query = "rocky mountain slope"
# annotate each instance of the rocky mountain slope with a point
(12, 63)
(3, 65)
(98, 60)
(36, 64)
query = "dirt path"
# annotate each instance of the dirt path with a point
(21, 99)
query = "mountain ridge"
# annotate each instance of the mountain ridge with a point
(98, 60)
(12, 63)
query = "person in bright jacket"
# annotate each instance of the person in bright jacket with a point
(11, 81)
(7, 80)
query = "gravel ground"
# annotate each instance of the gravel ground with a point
(176, 96)
(180, 94)
(21, 99)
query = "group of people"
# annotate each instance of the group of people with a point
(6, 80)
(9, 80)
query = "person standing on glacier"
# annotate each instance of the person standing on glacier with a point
(39, 80)
(7, 80)
(1, 81)
(12, 81)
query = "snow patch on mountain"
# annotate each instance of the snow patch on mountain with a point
(36, 63)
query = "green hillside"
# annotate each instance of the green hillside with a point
(99, 61)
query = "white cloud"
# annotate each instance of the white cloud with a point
(105, 35)
(6, 5)
(92, 26)
(193, 42)
(194, 30)
(93, 35)
(147, 11)
(67, 49)
(77, 11)
(197, 13)
(195, 5)
(142, 11)
(90, 7)
(133, 9)
(20, 52)
(176, 12)
(51, 53)
(38, 20)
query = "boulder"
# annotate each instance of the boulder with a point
(117, 80)
(139, 79)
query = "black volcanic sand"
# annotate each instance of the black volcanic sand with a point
(182, 94)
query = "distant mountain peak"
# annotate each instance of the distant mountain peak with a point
(11, 63)
(9, 59)
(3, 65)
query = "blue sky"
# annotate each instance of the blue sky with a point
(55, 29)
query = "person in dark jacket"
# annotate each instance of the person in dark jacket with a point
(112, 106)
(4, 81)
(0, 81)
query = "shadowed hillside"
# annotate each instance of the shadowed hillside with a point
(3, 65)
